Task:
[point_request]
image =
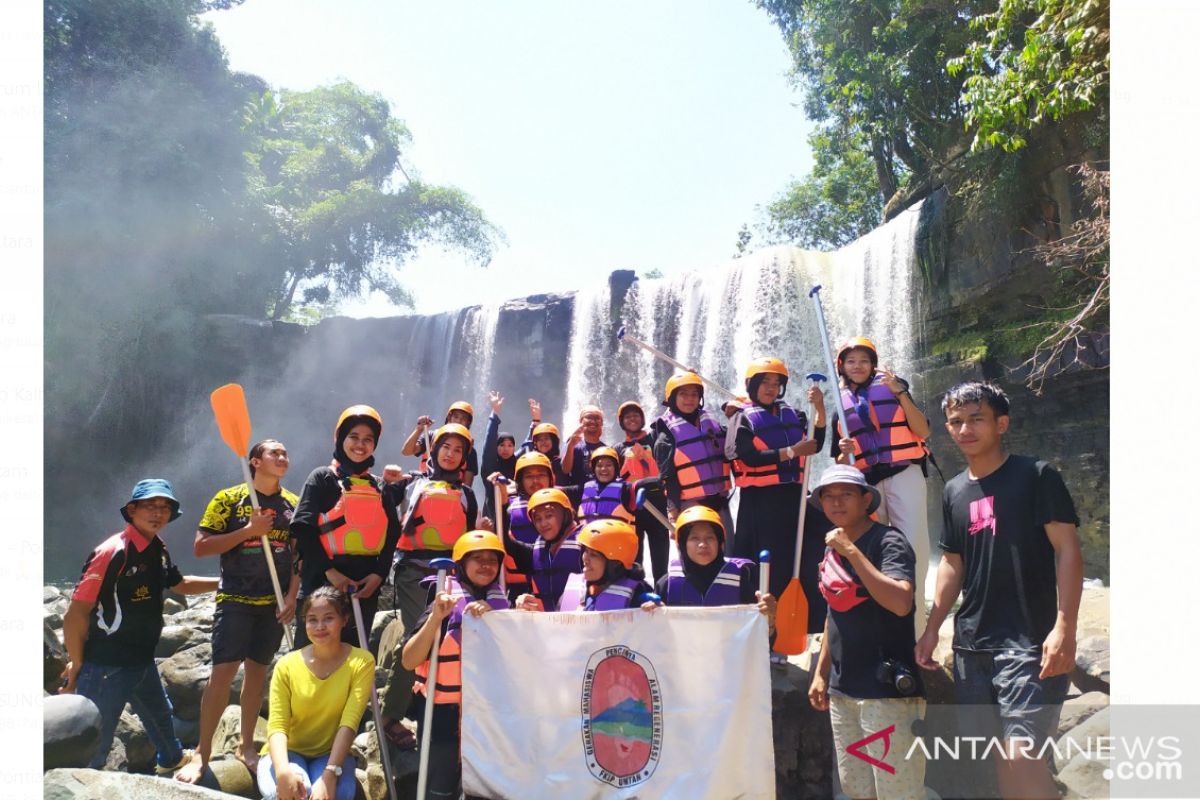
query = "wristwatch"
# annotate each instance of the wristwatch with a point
(335, 769)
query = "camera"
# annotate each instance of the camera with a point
(898, 676)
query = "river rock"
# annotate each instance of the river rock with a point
(405, 765)
(1075, 741)
(117, 761)
(391, 636)
(803, 737)
(49, 593)
(1077, 710)
(172, 606)
(1091, 673)
(70, 731)
(185, 675)
(378, 627)
(230, 776)
(139, 750)
(52, 619)
(175, 638)
(54, 659)
(92, 784)
(228, 735)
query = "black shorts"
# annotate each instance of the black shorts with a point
(241, 631)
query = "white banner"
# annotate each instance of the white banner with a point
(617, 704)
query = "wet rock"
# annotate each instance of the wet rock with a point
(1077, 710)
(139, 750)
(1091, 673)
(228, 734)
(92, 784)
(70, 731)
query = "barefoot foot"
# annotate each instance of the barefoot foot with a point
(248, 756)
(191, 771)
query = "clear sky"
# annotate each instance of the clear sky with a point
(624, 134)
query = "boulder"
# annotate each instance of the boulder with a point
(92, 784)
(116, 761)
(803, 737)
(391, 636)
(185, 675)
(52, 619)
(405, 765)
(175, 638)
(187, 730)
(1077, 710)
(1083, 779)
(172, 606)
(378, 626)
(70, 731)
(228, 735)
(182, 599)
(230, 776)
(139, 750)
(1075, 741)
(49, 594)
(1091, 673)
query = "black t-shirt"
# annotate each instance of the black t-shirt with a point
(1010, 597)
(868, 634)
(125, 577)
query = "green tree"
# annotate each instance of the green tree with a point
(1037, 61)
(328, 166)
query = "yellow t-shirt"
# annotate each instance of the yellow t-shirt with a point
(310, 710)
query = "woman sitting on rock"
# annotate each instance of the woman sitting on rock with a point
(318, 695)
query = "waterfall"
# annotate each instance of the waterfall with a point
(719, 318)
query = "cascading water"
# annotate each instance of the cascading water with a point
(718, 319)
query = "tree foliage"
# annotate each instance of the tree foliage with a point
(1036, 61)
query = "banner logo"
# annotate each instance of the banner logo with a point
(622, 717)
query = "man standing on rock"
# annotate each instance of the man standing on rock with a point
(1009, 544)
(116, 617)
(247, 626)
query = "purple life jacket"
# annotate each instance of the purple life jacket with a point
(519, 523)
(884, 436)
(725, 590)
(700, 463)
(778, 432)
(617, 596)
(602, 501)
(552, 572)
(495, 598)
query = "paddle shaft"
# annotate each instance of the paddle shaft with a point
(375, 711)
(430, 693)
(803, 498)
(266, 548)
(837, 392)
(497, 496)
(660, 354)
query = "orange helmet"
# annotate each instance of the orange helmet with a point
(533, 460)
(452, 429)
(463, 406)
(601, 452)
(761, 366)
(547, 497)
(856, 342)
(696, 514)
(362, 413)
(476, 541)
(613, 539)
(682, 379)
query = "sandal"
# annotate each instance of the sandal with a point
(400, 736)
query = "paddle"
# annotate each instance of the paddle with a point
(814, 293)
(764, 575)
(654, 351)
(498, 498)
(443, 566)
(791, 615)
(383, 744)
(233, 421)
(640, 502)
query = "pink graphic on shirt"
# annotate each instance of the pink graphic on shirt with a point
(982, 516)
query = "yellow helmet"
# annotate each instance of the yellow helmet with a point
(601, 452)
(532, 459)
(364, 414)
(761, 366)
(857, 342)
(613, 539)
(463, 406)
(628, 405)
(549, 496)
(477, 541)
(682, 379)
(452, 429)
(696, 514)
(546, 427)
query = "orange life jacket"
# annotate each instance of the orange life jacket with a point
(884, 437)
(635, 469)
(772, 432)
(449, 673)
(700, 464)
(437, 514)
(357, 523)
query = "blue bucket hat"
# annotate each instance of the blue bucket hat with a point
(152, 487)
(844, 473)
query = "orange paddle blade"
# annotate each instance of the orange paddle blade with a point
(233, 418)
(791, 620)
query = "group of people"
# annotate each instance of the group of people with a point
(564, 526)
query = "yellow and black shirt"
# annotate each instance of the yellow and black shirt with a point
(244, 575)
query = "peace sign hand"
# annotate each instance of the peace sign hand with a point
(890, 380)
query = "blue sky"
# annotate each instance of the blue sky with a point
(603, 136)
